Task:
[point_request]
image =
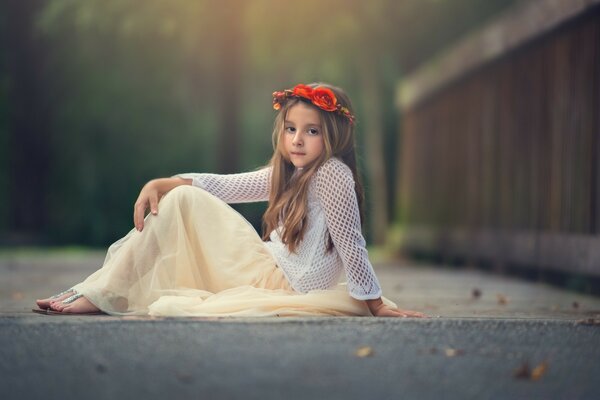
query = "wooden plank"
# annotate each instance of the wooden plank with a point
(514, 28)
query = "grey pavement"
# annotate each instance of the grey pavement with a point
(516, 340)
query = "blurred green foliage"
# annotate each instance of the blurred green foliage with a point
(135, 88)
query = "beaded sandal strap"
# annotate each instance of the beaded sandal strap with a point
(56, 296)
(71, 299)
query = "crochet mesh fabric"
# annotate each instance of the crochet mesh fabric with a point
(333, 209)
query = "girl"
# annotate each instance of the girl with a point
(199, 257)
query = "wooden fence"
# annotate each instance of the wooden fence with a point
(500, 143)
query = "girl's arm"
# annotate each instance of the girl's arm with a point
(335, 189)
(233, 188)
(246, 187)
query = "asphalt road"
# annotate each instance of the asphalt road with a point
(310, 358)
(513, 340)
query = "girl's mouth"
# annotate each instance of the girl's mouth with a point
(298, 154)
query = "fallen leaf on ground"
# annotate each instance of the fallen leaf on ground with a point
(454, 352)
(17, 295)
(575, 304)
(431, 350)
(523, 371)
(502, 299)
(364, 351)
(539, 370)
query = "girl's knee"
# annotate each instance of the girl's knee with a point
(182, 191)
(184, 195)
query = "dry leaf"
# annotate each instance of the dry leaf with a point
(364, 351)
(523, 372)
(17, 295)
(431, 350)
(476, 293)
(539, 370)
(454, 352)
(502, 299)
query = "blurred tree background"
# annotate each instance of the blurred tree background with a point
(100, 96)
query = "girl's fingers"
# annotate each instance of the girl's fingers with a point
(417, 314)
(414, 314)
(140, 207)
(138, 215)
(154, 204)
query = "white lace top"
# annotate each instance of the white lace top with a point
(333, 208)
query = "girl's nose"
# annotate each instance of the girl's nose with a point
(297, 141)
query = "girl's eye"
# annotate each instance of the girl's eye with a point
(313, 131)
(290, 129)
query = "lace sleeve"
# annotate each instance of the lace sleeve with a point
(235, 188)
(335, 190)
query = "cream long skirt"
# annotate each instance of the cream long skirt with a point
(199, 257)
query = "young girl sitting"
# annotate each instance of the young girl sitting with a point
(193, 255)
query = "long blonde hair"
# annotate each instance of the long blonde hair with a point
(289, 191)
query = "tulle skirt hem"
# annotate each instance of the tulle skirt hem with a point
(200, 258)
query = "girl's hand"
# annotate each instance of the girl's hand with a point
(379, 309)
(149, 197)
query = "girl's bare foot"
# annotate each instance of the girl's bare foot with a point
(79, 306)
(47, 303)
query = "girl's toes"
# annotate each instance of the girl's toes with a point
(42, 303)
(49, 303)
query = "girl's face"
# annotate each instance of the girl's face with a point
(303, 135)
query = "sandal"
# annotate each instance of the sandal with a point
(56, 296)
(68, 300)
(48, 311)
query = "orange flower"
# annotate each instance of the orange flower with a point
(278, 98)
(303, 91)
(324, 99)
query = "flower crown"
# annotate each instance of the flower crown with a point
(322, 97)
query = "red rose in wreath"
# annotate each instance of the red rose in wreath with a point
(303, 91)
(324, 99)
